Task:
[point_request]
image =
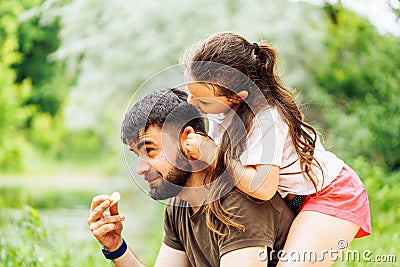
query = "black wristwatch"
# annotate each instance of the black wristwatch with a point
(117, 253)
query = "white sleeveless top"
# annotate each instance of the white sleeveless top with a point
(269, 142)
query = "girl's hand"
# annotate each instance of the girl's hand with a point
(106, 226)
(201, 147)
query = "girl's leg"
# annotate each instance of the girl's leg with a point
(316, 239)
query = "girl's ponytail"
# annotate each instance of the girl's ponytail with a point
(303, 135)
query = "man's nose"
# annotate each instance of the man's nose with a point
(143, 165)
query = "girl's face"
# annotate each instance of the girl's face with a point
(202, 96)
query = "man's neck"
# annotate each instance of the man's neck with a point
(195, 190)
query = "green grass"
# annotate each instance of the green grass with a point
(26, 241)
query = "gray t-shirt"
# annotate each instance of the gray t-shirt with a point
(266, 224)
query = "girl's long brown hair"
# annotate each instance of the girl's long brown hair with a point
(232, 53)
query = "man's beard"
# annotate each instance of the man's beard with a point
(173, 183)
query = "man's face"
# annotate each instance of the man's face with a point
(161, 163)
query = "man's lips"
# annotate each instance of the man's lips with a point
(152, 179)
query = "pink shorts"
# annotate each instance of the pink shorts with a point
(346, 198)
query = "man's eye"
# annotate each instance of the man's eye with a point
(148, 150)
(203, 103)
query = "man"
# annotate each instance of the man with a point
(199, 229)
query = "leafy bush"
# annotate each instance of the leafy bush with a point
(16, 197)
(359, 78)
(13, 112)
(25, 241)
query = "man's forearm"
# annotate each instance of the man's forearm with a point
(128, 259)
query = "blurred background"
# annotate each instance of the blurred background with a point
(68, 69)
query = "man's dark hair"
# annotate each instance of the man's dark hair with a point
(164, 108)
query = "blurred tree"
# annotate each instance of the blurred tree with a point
(32, 87)
(117, 45)
(13, 111)
(37, 41)
(361, 74)
(395, 6)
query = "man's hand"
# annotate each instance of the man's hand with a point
(202, 148)
(106, 226)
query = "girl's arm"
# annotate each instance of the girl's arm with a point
(258, 181)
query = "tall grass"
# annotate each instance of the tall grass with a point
(26, 241)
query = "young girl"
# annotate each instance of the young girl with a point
(258, 131)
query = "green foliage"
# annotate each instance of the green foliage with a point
(105, 51)
(117, 45)
(395, 6)
(16, 197)
(37, 40)
(52, 230)
(33, 89)
(25, 241)
(359, 76)
(54, 199)
(13, 111)
(52, 136)
(81, 145)
(382, 187)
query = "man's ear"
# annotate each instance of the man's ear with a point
(183, 137)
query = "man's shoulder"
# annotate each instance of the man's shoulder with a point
(265, 223)
(239, 203)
